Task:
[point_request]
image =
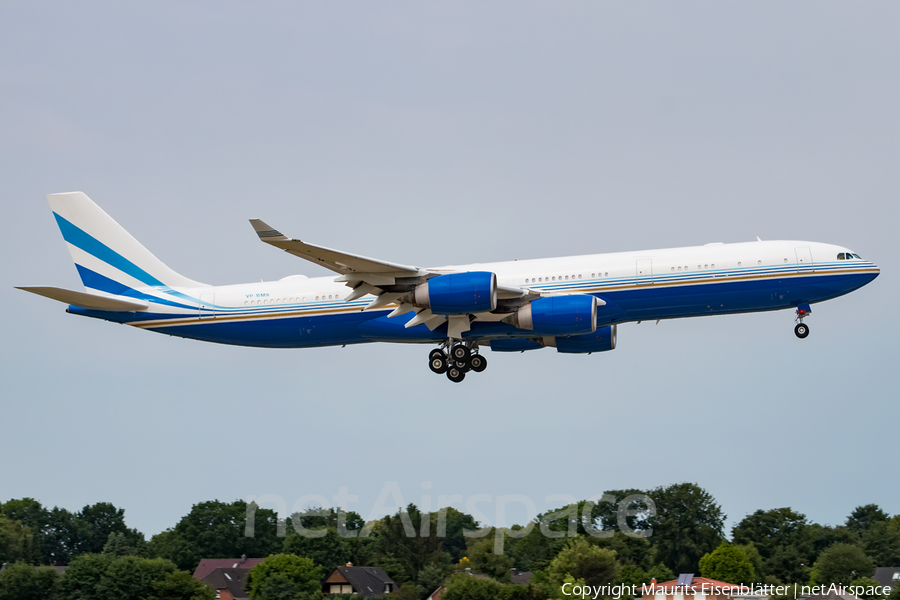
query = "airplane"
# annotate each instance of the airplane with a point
(571, 303)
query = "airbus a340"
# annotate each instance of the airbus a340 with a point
(572, 303)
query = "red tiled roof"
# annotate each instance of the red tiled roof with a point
(696, 584)
(208, 565)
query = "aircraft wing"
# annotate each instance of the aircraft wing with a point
(86, 299)
(351, 267)
(377, 277)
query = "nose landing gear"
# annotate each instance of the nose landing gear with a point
(459, 360)
(801, 330)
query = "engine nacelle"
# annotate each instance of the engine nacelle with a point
(558, 315)
(457, 293)
(600, 341)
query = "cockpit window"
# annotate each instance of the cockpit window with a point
(856, 256)
(841, 256)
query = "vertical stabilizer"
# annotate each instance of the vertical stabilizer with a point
(107, 257)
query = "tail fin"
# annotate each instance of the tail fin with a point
(107, 257)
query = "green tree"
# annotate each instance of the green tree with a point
(21, 581)
(16, 542)
(481, 556)
(179, 585)
(772, 530)
(584, 561)
(881, 541)
(121, 544)
(402, 549)
(728, 563)
(863, 586)
(863, 517)
(688, 524)
(131, 577)
(327, 551)
(30, 513)
(301, 572)
(469, 587)
(107, 577)
(432, 576)
(82, 578)
(104, 519)
(217, 530)
(842, 563)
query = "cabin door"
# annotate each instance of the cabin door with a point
(804, 259)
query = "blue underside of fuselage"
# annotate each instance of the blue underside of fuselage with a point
(644, 302)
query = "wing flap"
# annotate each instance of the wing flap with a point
(87, 300)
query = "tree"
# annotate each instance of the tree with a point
(468, 587)
(864, 588)
(21, 581)
(217, 530)
(841, 564)
(863, 517)
(82, 579)
(131, 577)
(583, 561)
(121, 544)
(286, 573)
(104, 519)
(772, 530)
(431, 577)
(16, 542)
(728, 563)
(482, 557)
(401, 544)
(688, 524)
(32, 515)
(881, 541)
(179, 585)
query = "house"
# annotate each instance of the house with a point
(887, 576)
(228, 583)
(208, 565)
(365, 581)
(696, 588)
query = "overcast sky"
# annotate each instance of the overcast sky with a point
(445, 133)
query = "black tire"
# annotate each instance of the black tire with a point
(436, 352)
(460, 353)
(478, 363)
(464, 366)
(438, 364)
(801, 330)
(455, 374)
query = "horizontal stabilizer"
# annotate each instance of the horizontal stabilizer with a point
(87, 300)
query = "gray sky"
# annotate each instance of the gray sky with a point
(436, 133)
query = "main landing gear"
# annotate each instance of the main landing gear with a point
(801, 330)
(457, 362)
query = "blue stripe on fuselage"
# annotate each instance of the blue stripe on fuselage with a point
(644, 302)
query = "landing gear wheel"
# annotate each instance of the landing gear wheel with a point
(460, 353)
(455, 374)
(464, 366)
(438, 362)
(478, 363)
(801, 330)
(435, 353)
